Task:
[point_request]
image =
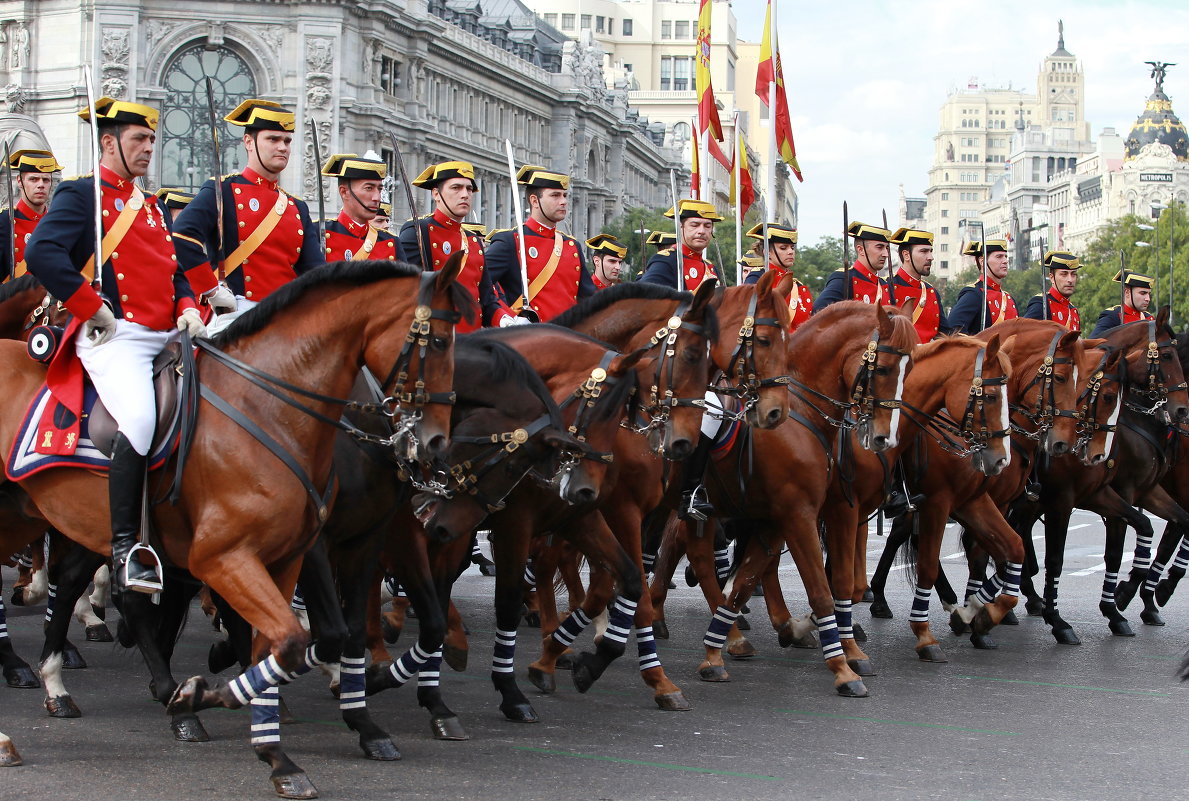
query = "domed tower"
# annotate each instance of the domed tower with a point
(1158, 123)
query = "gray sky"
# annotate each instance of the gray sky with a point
(866, 80)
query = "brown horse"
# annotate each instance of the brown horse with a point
(245, 538)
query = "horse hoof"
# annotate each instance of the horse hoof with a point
(545, 682)
(1164, 592)
(673, 702)
(21, 677)
(957, 624)
(18, 596)
(861, 666)
(714, 673)
(743, 623)
(62, 706)
(1150, 617)
(853, 689)
(72, 659)
(455, 657)
(582, 676)
(448, 728)
(932, 653)
(520, 713)
(1124, 592)
(742, 649)
(565, 661)
(9, 758)
(389, 632)
(859, 632)
(187, 696)
(99, 633)
(880, 609)
(1121, 628)
(983, 642)
(1010, 619)
(868, 596)
(1066, 637)
(1035, 607)
(660, 629)
(124, 634)
(294, 785)
(189, 729)
(381, 750)
(532, 619)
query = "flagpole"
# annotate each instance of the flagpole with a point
(738, 205)
(770, 179)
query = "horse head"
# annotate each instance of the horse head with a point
(1099, 400)
(682, 372)
(879, 370)
(985, 416)
(756, 361)
(1155, 378)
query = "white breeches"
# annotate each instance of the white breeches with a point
(221, 321)
(711, 416)
(122, 371)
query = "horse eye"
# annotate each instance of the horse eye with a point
(764, 341)
(883, 370)
(1110, 399)
(440, 343)
(991, 397)
(1060, 379)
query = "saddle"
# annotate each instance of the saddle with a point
(167, 377)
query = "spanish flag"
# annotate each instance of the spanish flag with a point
(770, 72)
(707, 111)
(744, 197)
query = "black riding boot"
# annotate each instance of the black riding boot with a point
(694, 503)
(897, 502)
(126, 481)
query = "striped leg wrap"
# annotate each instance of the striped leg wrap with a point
(409, 663)
(1181, 562)
(646, 647)
(720, 626)
(1153, 577)
(49, 602)
(649, 562)
(476, 551)
(1011, 581)
(570, 628)
(920, 605)
(266, 673)
(431, 673)
(505, 651)
(973, 585)
(530, 578)
(842, 615)
(827, 633)
(1109, 582)
(25, 560)
(352, 686)
(722, 563)
(991, 588)
(4, 622)
(392, 585)
(298, 604)
(619, 621)
(1143, 552)
(1052, 584)
(266, 717)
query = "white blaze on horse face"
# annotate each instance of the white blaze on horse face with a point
(894, 429)
(1005, 425)
(1110, 431)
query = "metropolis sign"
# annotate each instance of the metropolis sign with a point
(1155, 177)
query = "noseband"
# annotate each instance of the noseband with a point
(1045, 413)
(742, 364)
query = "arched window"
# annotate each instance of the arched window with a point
(186, 148)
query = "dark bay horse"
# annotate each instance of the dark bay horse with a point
(245, 538)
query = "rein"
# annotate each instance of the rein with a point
(742, 365)
(1045, 413)
(963, 439)
(862, 402)
(661, 406)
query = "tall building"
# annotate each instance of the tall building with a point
(648, 48)
(449, 79)
(985, 132)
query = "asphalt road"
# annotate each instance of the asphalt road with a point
(1105, 720)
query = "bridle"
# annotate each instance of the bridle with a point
(742, 364)
(1087, 411)
(1045, 413)
(1156, 392)
(662, 404)
(862, 403)
(974, 434)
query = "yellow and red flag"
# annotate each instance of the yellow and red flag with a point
(745, 194)
(770, 72)
(707, 111)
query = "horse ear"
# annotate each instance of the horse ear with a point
(764, 286)
(885, 322)
(1068, 339)
(1162, 317)
(627, 361)
(908, 308)
(1112, 358)
(703, 295)
(449, 271)
(992, 348)
(784, 286)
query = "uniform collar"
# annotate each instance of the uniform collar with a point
(26, 210)
(776, 268)
(111, 178)
(539, 229)
(354, 228)
(445, 220)
(909, 278)
(991, 282)
(1057, 296)
(865, 271)
(258, 179)
(690, 253)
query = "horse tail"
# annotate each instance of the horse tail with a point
(907, 553)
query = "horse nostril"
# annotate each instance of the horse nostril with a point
(1060, 448)
(1182, 412)
(1098, 458)
(436, 446)
(774, 417)
(880, 442)
(439, 533)
(680, 449)
(582, 495)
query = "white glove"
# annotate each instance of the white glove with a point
(101, 327)
(190, 321)
(510, 321)
(221, 299)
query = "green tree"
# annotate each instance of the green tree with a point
(816, 262)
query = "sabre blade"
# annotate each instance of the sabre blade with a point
(426, 260)
(318, 178)
(524, 298)
(98, 183)
(677, 232)
(12, 207)
(217, 166)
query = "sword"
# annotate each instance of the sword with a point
(885, 225)
(524, 300)
(1122, 290)
(677, 231)
(982, 248)
(846, 254)
(98, 183)
(217, 166)
(318, 177)
(12, 208)
(1044, 285)
(426, 261)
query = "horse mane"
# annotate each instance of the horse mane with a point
(633, 290)
(348, 273)
(18, 285)
(904, 334)
(501, 364)
(964, 340)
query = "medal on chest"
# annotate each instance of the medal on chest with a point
(254, 204)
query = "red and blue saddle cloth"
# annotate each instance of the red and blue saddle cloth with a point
(728, 431)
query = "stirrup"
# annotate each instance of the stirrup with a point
(145, 585)
(698, 507)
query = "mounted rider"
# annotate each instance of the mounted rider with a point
(1137, 297)
(606, 258)
(782, 255)
(352, 237)
(268, 236)
(697, 229)
(661, 239)
(146, 300)
(35, 178)
(999, 305)
(861, 280)
(443, 233)
(1063, 269)
(915, 249)
(556, 268)
(173, 200)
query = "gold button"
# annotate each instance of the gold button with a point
(237, 191)
(124, 298)
(128, 315)
(115, 255)
(328, 251)
(119, 276)
(436, 262)
(241, 223)
(300, 232)
(239, 206)
(247, 278)
(105, 212)
(173, 256)
(248, 293)
(168, 238)
(434, 244)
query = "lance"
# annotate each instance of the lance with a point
(1044, 285)
(642, 243)
(677, 231)
(884, 212)
(524, 300)
(98, 182)
(982, 248)
(1122, 289)
(217, 166)
(12, 207)
(318, 177)
(846, 253)
(426, 258)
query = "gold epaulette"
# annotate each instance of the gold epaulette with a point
(491, 234)
(665, 252)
